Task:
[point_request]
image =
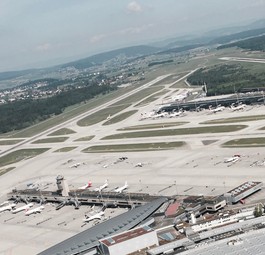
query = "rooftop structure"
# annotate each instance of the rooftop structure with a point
(129, 241)
(242, 191)
(89, 239)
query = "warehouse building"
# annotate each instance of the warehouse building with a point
(129, 242)
(87, 242)
(239, 193)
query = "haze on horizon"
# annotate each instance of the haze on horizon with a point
(41, 33)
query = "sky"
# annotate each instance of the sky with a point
(41, 33)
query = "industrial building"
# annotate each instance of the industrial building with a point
(239, 193)
(128, 242)
(88, 240)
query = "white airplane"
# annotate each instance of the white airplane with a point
(88, 185)
(233, 159)
(75, 165)
(146, 115)
(219, 108)
(96, 216)
(160, 115)
(8, 207)
(238, 107)
(175, 114)
(122, 188)
(35, 210)
(108, 118)
(22, 208)
(104, 186)
(4, 203)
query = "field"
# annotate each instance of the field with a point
(235, 119)
(101, 115)
(134, 147)
(172, 132)
(10, 142)
(153, 126)
(19, 155)
(66, 149)
(120, 117)
(246, 142)
(62, 131)
(51, 140)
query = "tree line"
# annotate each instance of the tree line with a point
(21, 114)
(226, 79)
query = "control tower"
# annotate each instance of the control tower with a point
(62, 186)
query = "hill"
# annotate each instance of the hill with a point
(238, 36)
(129, 52)
(254, 44)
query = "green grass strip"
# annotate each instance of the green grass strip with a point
(19, 155)
(235, 119)
(173, 132)
(101, 115)
(51, 140)
(134, 147)
(153, 126)
(120, 117)
(65, 149)
(62, 131)
(84, 139)
(246, 142)
(10, 142)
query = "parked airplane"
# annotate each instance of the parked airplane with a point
(122, 188)
(240, 106)
(175, 114)
(146, 115)
(219, 108)
(8, 207)
(35, 210)
(75, 165)
(96, 216)
(4, 203)
(100, 188)
(88, 185)
(233, 159)
(160, 115)
(22, 208)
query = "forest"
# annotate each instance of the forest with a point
(21, 114)
(227, 79)
(254, 44)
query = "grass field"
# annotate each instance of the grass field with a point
(139, 95)
(134, 147)
(246, 142)
(69, 113)
(120, 117)
(62, 131)
(51, 140)
(10, 142)
(101, 115)
(152, 98)
(19, 155)
(153, 126)
(235, 119)
(65, 149)
(5, 170)
(84, 139)
(180, 131)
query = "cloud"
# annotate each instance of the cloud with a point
(135, 30)
(44, 47)
(97, 38)
(134, 7)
